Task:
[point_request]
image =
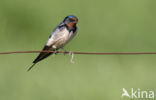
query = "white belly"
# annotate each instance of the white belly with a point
(64, 38)
(60, 38)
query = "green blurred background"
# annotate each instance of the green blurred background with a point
(104, 26)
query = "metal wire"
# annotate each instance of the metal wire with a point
(85, 53)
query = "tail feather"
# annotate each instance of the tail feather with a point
(41, 56)
(31, 67)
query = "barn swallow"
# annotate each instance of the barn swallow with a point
(62, 34)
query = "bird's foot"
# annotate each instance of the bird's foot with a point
(55, 52)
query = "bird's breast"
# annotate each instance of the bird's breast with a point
(63, 38)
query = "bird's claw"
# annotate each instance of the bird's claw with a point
(55, 52)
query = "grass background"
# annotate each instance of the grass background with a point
(104, 26)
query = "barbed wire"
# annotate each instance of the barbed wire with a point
(84, 53)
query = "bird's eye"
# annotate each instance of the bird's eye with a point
(71, 20)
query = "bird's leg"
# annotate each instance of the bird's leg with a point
(64, 51)
(55, 51)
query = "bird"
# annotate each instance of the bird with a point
(60, 36)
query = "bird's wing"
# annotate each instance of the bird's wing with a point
(54, 36)
(52, 39)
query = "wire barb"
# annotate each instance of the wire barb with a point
(72, 57)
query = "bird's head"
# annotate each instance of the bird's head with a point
(70, 21)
